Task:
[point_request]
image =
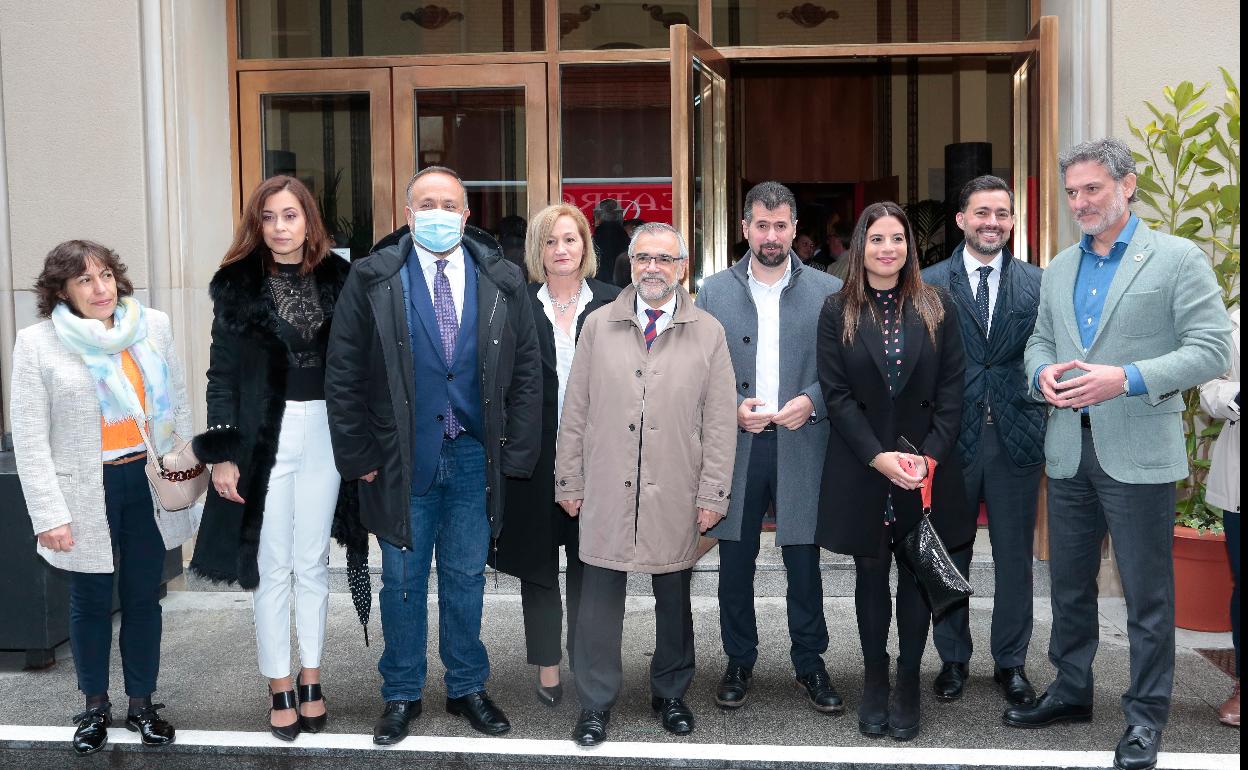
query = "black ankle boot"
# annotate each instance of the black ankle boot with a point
(903, 707)
(873, 710)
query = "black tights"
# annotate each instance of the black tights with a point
(874, 602)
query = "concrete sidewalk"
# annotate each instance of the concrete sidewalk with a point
(209, 680)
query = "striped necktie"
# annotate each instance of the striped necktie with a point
(652, 329)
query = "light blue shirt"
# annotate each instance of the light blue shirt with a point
(1096, 273)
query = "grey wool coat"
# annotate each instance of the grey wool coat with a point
(799, 453)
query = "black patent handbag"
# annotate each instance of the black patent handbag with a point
(923, 553)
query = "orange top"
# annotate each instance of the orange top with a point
(125, 434)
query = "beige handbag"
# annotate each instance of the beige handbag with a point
(178, 479)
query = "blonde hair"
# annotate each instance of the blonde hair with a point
(540, 228)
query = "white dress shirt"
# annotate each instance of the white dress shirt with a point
(767, 359)
(664, 320)
(972, 265)
(565, 342)
(455, 274)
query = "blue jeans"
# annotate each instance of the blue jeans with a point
(451, 515)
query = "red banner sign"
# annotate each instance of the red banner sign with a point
(639, 200)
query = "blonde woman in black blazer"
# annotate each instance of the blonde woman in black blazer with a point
(890, 365)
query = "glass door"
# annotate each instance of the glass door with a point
(486, 123)
(1035, 146)
(329, 128)
(699, 82)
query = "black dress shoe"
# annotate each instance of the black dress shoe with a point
(819, 691)
(951, 681)
(734, 687)
(153, 730)
(1014, 685)
(307, 694)
(285, 701)
(677, 718)
(591, 728)
(481, 713)
(92, 732)
(392, 726)
(1047, 710)
(1138, 749)
(552, 695)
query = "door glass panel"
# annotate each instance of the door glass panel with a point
(708, 246)
(784, 22)
(285, 29)
(616, 120)
(324, 141)
(480, 133)
(622, 23)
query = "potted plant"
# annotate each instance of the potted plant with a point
(1190, 178)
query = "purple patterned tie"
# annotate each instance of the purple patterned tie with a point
(448, 328)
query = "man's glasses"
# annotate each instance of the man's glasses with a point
(663, 260)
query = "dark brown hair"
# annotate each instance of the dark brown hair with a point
(68, 260)
(910, 286)
(250, 233)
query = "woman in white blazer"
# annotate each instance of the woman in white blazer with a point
(81, 378)
(1220, 399)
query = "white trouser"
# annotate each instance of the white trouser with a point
(294, 538)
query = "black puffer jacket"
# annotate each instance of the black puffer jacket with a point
(994, 365)
(246, 400)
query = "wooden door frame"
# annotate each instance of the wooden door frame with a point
(529, 76)
(253, 85)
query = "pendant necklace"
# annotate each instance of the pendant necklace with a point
(562, 307)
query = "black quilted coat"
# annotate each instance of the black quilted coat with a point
(994, 364)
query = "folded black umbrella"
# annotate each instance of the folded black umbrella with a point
(350, 533)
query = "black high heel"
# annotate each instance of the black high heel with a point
(307, 694)
(284, 701)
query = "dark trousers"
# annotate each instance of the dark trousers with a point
(1010, 493)
(543, 612)
(738, 628)
(1140, 521)
(1231, 520)
(139, 556)
(600, 629)
(873, 599)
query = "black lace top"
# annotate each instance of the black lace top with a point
(299, 309)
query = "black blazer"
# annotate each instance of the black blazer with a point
(534, 526)
(866, 421)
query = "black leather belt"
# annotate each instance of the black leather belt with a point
(770, 428)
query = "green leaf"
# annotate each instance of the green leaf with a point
(1168, 92)
(1228, 196)
(1183, 95)
(1231, 86)
(1201, 126)
(1212, 431)
(1189, 227)
(1201, 198)
(1232, 127)
(1149, 183)
(1173, 145)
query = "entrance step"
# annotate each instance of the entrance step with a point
(769, 579)
(37, 748)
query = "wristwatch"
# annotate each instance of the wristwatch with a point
(1126, 383)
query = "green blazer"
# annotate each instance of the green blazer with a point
(1164, 313)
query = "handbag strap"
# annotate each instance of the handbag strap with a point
(926, 487)
(147, 441)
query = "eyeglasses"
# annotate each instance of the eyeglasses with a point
(663, 260)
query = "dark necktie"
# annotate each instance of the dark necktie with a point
(981, 296)
(448, 329)
(652, 329)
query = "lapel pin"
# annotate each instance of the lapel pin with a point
(1139, 257)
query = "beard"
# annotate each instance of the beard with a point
(1117, 207)
(653, 287)
(987, 249)
(773, 257)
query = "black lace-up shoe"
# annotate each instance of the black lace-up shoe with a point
(392, 726)
(677, 718)
(591, 727)
(1015, 686)
(820, 692)
(153, 730)
(481, 713)
(734, 687)
(951, 681)
(92, 732)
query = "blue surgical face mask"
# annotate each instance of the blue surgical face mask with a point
(437, 230)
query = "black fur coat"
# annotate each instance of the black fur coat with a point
(246, 400)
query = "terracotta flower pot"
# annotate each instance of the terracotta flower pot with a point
(1202, 581)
